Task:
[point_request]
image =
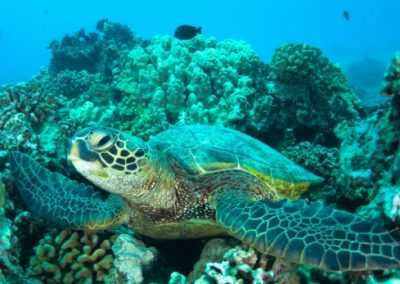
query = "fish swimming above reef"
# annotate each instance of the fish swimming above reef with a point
(187, 32)
(346, 15)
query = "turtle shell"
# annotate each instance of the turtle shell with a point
(202, 149)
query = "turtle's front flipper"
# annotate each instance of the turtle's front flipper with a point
(319, 236)
(61, 201)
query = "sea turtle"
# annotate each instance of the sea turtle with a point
(196, 181)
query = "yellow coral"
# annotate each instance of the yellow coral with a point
(72, 257)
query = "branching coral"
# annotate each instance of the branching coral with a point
(76, 52)
(29, 99)
(94, 52)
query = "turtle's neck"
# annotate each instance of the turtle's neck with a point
(157, 185)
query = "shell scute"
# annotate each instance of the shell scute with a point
(200, 149)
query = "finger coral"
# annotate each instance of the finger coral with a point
(72, 257)
(197, 81)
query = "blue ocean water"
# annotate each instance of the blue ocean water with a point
(27, 26)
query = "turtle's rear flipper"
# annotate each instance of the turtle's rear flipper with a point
(61, 201)
(319, 236)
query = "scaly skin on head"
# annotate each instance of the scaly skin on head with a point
(119, 163)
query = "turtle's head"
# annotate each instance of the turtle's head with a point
(112, 160)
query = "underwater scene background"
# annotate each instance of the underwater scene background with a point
(319, 81)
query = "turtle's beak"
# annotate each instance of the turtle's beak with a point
(84, 160)
(78, 150)
(72, 151)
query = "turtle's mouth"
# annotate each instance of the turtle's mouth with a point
(92, 170)
(78, 149)
(83, 159)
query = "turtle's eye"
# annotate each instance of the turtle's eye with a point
(101, 140)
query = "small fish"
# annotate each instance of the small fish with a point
(187, 32)
(346, 15)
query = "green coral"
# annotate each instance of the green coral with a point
(197, 81)
(298, 63)
(391, 80)
(72, 83)
(324, 95)
(93, 114)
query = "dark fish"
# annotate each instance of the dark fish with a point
(346, 15)
(187, 32)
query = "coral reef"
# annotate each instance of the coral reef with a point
(10, 270)
(72, 83)
(198, 81)
(326, 98)
(171, 82)
(385, 205)
(300, 103)
(370, 162)
(76, 52)
(238, 264)
(29, 99)
(132, 259)
(94, 52)
(325, 163)
(391, 80)
(241, 264)
(213, 251)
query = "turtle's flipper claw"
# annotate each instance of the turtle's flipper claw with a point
(311, 234)
(61, 201)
